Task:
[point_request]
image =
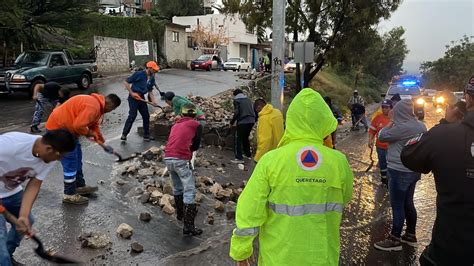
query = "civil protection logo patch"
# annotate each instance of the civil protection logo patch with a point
(308, 158)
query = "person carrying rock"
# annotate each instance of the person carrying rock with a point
(25, 158)
(269, 128)
(243, 119)
(357, 106)
(50, 93)
(178, 102)
(81, 116)
(379, 122)
(139, 84)
(447, 150)
(184, 139)
(296, 195)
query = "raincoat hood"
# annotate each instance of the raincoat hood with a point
(403, 112)
(267, 109)
(308, 118)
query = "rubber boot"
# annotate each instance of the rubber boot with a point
(178, 200)
(190, 211)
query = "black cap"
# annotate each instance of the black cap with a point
(470, 85)
(169, 95)
(387, 103)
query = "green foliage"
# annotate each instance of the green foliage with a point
(452, 71)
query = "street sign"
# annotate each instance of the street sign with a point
(304, 52)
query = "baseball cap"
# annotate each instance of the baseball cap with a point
(356, 91)
(169, 95)
(470, 85)
(153, 65)
(387, 103)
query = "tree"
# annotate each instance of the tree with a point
(323, 22)
(167, 9)
(452, 71)
(210, 36)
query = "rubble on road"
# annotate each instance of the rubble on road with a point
(145, 216)
(124, 231)
(94, 240)
(219, 206)
(136, 247)
(210, 218)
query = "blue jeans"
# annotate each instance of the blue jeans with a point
(10, 240)
(72, 168)
(182, 178)
(137, 106)
(401, 187)
(382, 157)
(39, 108)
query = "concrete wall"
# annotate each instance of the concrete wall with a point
(112, 55)
(175, 52)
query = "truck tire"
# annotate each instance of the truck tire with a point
(84, 82)
(33, 84)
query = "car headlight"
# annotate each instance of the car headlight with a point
(420, 101)
(19, 77)
(440, 99)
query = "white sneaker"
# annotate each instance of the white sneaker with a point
(236, 161)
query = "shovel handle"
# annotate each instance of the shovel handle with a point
(12, 219)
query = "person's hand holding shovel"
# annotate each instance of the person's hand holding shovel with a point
(23, 226)
(136, 96)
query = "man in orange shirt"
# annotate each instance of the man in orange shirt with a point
(80, 115)
(379, 122)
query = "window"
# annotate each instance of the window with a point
(57, 60)
(175, 36)
(190, 42)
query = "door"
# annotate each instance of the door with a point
(244, 52)
(58, 69)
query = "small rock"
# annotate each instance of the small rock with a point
(167, 189)
(94, 240)
(124, 231)
(198, 197)
(202, 189)
(168, 209)
(219, 206)
(220, 169)
(241, 166)
(146, 172)
(136, 248)
(215, 189)
(145, 216)
(145, 197)
(156, 195)
(121, 182)
(210, 218)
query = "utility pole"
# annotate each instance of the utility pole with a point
(278, 52)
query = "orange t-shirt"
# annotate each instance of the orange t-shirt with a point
(379, 122)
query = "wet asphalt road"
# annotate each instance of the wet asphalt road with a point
(366, 220)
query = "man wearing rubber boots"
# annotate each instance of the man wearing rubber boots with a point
(184, 139)
(139, 84)
(81, 116)
(452, 163)
(295, 197)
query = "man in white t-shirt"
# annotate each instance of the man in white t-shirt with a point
(25, 157)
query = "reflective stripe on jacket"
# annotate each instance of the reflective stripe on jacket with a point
(294, 199)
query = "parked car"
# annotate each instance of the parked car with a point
(408, 89)
(206, 62)
(236, 64)
(33, 67)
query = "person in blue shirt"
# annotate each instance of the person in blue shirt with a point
(139, 84)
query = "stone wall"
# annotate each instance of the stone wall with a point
(112, 54)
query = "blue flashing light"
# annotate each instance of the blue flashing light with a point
(409, 83)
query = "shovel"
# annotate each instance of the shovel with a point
(152, 104)
(108, 149)
(40, 249)
(371, 160)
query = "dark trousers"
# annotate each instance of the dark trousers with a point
(137, 106)
(401, 187)
(242, 141)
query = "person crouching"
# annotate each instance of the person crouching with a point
(184, 139)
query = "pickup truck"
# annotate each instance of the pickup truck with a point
(33, 67)
(236, 64)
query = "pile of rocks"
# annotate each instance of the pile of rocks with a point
(148, 169)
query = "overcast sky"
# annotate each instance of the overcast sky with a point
(429, 26)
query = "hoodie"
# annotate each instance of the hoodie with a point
(269, 130)
(243, 110)
(405, 126)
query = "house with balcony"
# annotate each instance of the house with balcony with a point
(239, 38)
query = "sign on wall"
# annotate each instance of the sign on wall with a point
(141, 48)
